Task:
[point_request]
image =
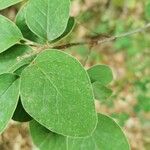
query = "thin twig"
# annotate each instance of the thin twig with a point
(142, 29)
(105, 40)
(64, 46)
(89, 42)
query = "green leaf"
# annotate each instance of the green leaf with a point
(48, 18)
(100, 73)
(45, 139)
(70, 26)
(57, 85)
(6, 3)
(9, 94)
(20, 114)
(13, 58)
(107, 136)
(101, 92)
(21, 23)
(9, 34)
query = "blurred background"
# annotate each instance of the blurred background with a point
(129, 58)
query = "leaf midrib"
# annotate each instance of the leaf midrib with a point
(44, 73)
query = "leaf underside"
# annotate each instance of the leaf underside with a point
(68, 30)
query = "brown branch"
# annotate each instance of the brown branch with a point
(64, 46)
(102, 40)
(92, 41)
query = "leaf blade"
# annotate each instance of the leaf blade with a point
(45, 139)
(54, 17)
(100, 73)
(7, 3)
(9, 34)
(9, 94)
(53, 70)
(11, 60)
(108, 136)
(21, 23)
(101, 92)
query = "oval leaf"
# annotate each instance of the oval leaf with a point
(9, 94)
(6, 3)
(45, 139)
(101, 92)
(56, 91)
(48, 18)
(12, 59)
(100, 73)
(9, 34)
(21, 23)
(107, 136)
